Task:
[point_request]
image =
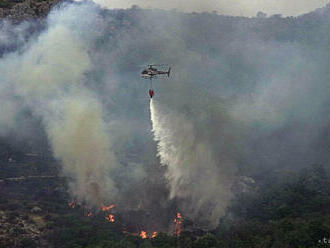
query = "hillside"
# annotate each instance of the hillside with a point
(233, 151)
(18, 10)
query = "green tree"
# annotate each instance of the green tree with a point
(207, 241)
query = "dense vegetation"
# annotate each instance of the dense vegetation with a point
(291, 211)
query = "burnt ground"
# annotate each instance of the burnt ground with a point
(34, 210)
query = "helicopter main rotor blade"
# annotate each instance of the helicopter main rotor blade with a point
(153, 65)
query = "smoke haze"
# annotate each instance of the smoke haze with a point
(49, 76)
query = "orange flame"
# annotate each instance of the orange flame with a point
(154, 235)
(107, 208)
(110, 218)
(143, 234)
(177, 224)
(72, 204)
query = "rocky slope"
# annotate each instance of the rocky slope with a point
(18, 10)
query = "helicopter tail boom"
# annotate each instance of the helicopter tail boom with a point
(168, 72)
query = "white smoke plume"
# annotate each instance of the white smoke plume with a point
(192, 171)
(81, 142)
(49, 76)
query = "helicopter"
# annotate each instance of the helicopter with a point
(152, 72)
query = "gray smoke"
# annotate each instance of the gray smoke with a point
(196, 176)
(49, 76)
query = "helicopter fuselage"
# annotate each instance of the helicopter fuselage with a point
(151, 72)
